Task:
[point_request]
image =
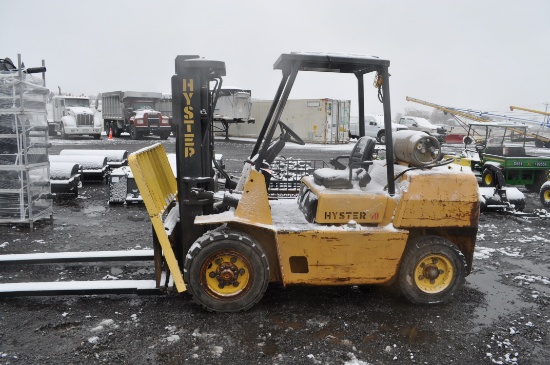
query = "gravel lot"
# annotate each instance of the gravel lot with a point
(501, 315)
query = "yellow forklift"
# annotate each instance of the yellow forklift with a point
(409, 218)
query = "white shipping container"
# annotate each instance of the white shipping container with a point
(314, 120)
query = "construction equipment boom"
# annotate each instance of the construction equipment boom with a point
(539, 140)
(529, 110)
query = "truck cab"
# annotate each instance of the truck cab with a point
(374, 127)
(424, 125)
(135, 113)
(72, 116)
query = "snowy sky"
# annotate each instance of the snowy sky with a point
(484, 55)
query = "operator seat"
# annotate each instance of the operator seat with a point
(361, 156)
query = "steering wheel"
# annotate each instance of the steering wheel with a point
(294, 138)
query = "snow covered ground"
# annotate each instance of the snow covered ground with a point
(501, 316)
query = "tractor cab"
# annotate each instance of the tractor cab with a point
(501, 139)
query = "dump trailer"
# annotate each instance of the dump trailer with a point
(410, 219)
(133, 112)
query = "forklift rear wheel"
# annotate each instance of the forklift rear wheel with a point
(432, 270)
(226, 271)
(164, 135)
(487, 178)
(545, 195)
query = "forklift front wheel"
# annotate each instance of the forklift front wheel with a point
(432, 270)
(487, 178)
(226, 271)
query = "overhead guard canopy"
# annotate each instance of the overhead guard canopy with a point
(291, 63)
(330, 62)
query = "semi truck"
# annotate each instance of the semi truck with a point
(135, 113)
(72, 116)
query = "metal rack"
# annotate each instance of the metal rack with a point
(287, 174)
(25, 192)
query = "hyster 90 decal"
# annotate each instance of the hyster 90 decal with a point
(349, 215)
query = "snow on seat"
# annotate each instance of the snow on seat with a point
(361, 155)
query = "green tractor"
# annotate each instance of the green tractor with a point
(500, 159)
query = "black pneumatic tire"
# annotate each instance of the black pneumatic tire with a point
(51, 130)
(382, 137)
(540, 178)
(62, 130)
(544, 194)
(488, 178)
(134, 134)
(230, 258)
(431, 271)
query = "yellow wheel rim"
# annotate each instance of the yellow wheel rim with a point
(546, 196)
(488, 179)
(226, 274)
(434, 273)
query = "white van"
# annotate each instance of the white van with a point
(374, 127)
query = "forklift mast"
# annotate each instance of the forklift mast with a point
(193, 103)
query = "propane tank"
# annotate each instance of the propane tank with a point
(415, 147)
